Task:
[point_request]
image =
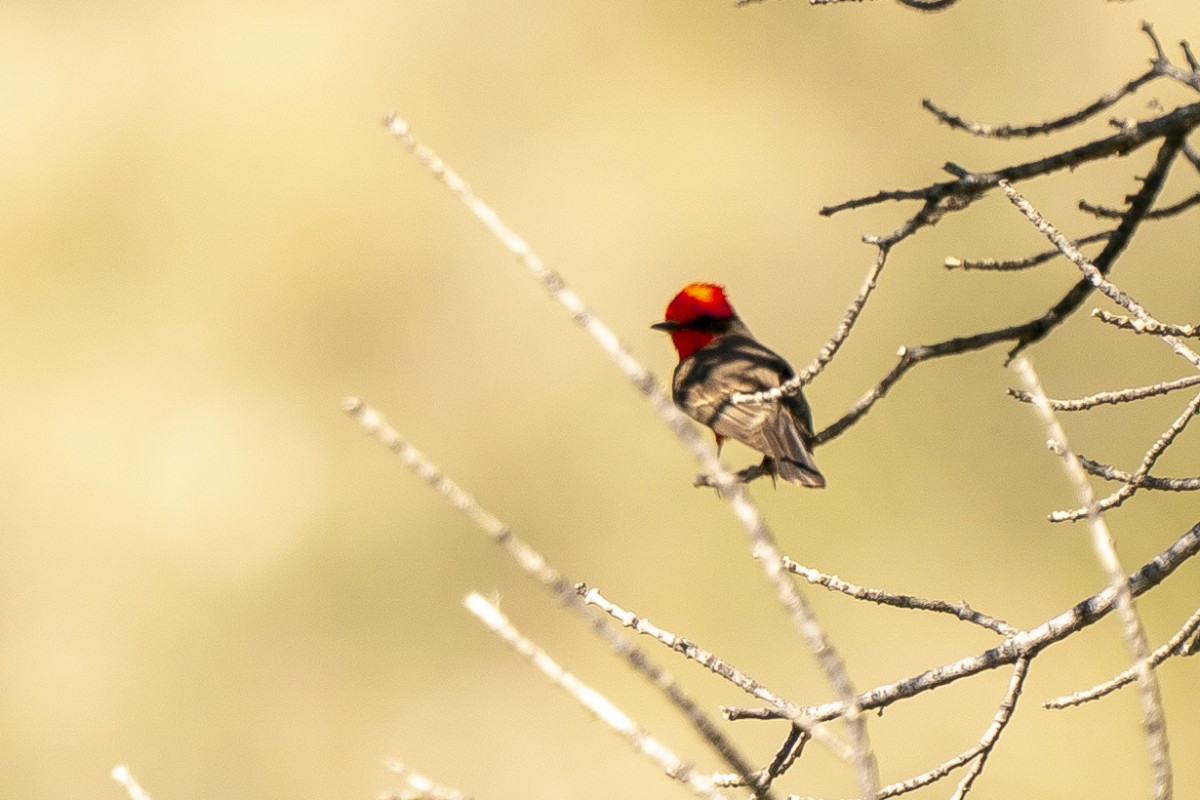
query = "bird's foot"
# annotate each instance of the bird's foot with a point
(767, 467)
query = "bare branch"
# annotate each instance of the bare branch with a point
(1158, 213)
(1024, 644)
(1150, 326)
(977, 753)
(1190, 56)
(910, 357)
(706, 659)
(785, 757)
(960, 609)
(604, 710)
(554, 285)
(1150, 482)
(1163, 65)
(1139, 476)
(840, 334)
(1174, 124)
(1041, 128)
(1173, 647)
(1016, 264)
(1112, 398)
(1037, 259)
(123, 776)
(1094, 272)
(420, 787)
(1192, 156)
(1139, 204)
(1094, 275)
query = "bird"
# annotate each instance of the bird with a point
(718, 358)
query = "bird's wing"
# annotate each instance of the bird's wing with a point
(732, 365)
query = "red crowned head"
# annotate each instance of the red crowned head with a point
(694, 317)
(698, 300)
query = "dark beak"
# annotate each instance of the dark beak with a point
(665, 325)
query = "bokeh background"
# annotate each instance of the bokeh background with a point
(208, 572)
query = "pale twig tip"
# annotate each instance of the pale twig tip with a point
(395, 125)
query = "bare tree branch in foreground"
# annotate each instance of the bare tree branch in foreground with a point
(123, 776)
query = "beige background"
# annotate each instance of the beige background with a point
(208, 239)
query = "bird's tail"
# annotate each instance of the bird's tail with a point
(804, 473)
(793, 461)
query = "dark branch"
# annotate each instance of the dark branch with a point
(1178, 123)
(1049, 126)
(1158, 213)
(1034, 330)
(1110, 473)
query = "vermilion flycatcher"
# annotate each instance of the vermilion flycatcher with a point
(718, 358)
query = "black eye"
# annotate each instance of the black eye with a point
(710, 324)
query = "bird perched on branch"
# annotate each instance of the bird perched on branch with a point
(718, 359)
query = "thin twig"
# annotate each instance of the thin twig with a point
(1007, 131)
(785, 757)
(981, 749)
(1136, 480)
(1172, 647)
(840, 334)
(1153, 719)
(1193, 63)
(1192, 156)
(420, 787)
(960, 609)
(1158, 213)
(693, 652)
(123, 776)
(827, 351)
(1153, 327)
(642, 742)
(1164, 66)
(1092, 271)
(1016, 264)
(1112, 398)
(1093, 275)
(1172, 124)
(1151, 482)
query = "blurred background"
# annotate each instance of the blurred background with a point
(208, 239)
